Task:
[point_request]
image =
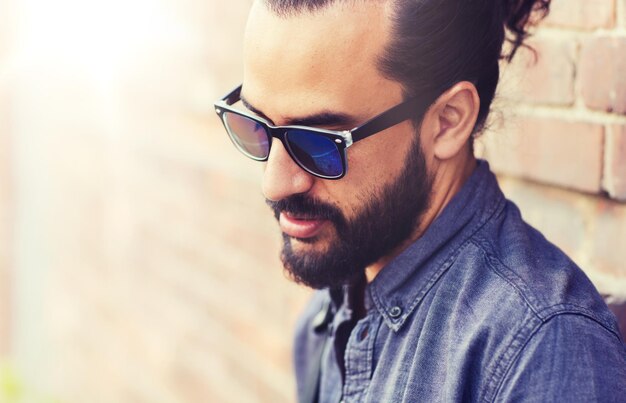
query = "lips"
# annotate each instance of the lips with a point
(300, 227)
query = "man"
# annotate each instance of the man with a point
(431, 287)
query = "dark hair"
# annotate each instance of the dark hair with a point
(438, 43)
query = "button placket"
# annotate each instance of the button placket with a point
(359, 358)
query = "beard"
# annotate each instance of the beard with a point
(388, 217)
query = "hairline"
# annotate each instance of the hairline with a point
(294, 9)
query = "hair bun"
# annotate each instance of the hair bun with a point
(518, 16)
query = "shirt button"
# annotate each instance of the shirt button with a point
(395, 312)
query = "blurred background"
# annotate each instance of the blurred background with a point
(138, 261)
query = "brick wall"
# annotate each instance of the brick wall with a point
(558, 137)
(144, 259)
(146, 262)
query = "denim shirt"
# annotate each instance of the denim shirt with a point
(480, 308)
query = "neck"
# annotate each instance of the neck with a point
(449, 178)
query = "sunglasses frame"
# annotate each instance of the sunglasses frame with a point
(341, 138)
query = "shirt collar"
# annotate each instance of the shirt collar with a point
(402, 284)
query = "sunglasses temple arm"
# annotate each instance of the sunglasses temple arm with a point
(392, 117)
(233, 96)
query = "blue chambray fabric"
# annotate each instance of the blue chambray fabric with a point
(480, 308)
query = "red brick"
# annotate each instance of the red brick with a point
(546, 77)
(582, 14)
(603, 73)
(607, 235)
(615, 171)
(548, 150)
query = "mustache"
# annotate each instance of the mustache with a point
(305, 207)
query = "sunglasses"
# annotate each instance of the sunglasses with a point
(320, 152)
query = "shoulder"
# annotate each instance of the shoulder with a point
(570, 357)
(538, 318)
(538, 273)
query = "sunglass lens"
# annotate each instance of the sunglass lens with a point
(317, 153)
(249, 136)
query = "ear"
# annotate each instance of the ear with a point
(452, 119)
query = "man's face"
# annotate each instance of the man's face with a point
(320, 64)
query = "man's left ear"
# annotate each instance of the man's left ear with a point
(456, 111)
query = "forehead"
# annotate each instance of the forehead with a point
(325, 58)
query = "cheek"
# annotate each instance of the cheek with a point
(379, 159)
(372, 163)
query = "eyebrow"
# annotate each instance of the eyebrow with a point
(327, 119)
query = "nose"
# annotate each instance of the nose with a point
(282, 176)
